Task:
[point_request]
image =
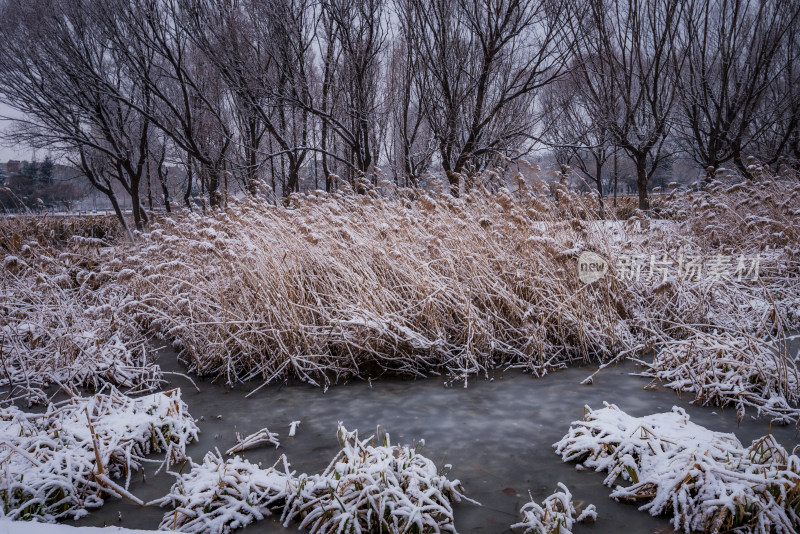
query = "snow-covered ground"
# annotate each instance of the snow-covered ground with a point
(24, 527)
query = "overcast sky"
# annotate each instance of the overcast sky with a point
(12, 152)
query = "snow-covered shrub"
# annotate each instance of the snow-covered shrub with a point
(376, 488)
(59, 463)
(222, 495)
(723, 369)
(366, 488)
(556, 514)
(63, 322)
(707, 481)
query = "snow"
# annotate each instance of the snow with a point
(221, 495)
(253, 440)
(25, 527)
(723, 369)
(706, 480)
(556, 514)
(369, 488)
(57, 464)
(293, 428)
(366, 487)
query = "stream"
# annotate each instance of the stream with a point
(497, 434)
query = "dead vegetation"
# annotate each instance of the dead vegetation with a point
(369, 486)
(57, 464)
(63, 324)
(407, 282)
(556, 514)
(724, 369)
(706, 481)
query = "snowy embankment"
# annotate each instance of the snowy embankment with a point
(24, 527)
(707, 481)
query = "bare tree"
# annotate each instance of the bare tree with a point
(57, 69)
(481, 64)
(735, 82)
(410, 141)
(152, 47)
(629, 62)
(577, 126)
(776, 122)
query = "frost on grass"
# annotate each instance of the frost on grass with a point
(333, 286)
(707, 481)
(724, 369)
(366, 488)
(341, 285)
(62, 323)
(376, 488)
(388, 286)
(222, 495)
(59, 463)
(254, 440)
(556, 514)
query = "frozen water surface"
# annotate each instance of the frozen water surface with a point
(497, 434)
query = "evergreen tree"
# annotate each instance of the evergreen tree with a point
(45, 172)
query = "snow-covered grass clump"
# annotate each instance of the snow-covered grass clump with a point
(556, 514)
(366, 488)
(707, 481)
(59, 463)
(376, 488)
(723, 369)
(342, 285)
(339, 285)
(222, 495)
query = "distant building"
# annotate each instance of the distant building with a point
(12, 167)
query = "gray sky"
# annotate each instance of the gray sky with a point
(12, 152)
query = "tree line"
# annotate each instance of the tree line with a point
(265, 93)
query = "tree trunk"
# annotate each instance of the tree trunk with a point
(641, 182)
(165, 192)
(149, 188)
(599, 181)
(616, 179)
(189, 179)
(113, 198)
(213, 186)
